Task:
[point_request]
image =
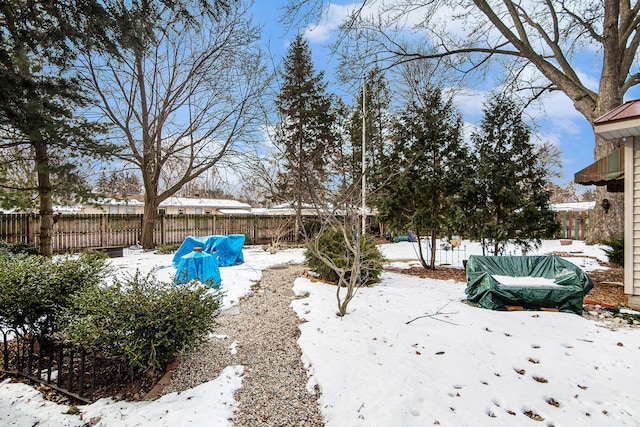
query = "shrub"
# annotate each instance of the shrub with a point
(616, 250)
(8, 249)
(35, 289)
(141, 321)
(331, 244)
(168, 248)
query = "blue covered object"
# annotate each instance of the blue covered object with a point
(198, 265)
(229, 249)
(226, 250)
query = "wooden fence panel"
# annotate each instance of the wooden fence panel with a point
(74, 232)
(574, 225)
(14, 228)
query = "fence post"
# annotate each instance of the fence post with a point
(103, 230)
(34, 226)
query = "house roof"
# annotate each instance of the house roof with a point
(572, 206)
(204, 203)
(234, 211)
(116, 202)
(621, 122)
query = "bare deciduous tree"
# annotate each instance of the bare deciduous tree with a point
(182, 101)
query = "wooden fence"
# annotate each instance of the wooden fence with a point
(75, 232)
(575, 225)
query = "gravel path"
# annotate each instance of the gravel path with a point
(262, 338)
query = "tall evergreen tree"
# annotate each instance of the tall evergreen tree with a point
(427, 150)
(305, 132)
(508, 191)
(41, 134)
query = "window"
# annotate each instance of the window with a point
(113, 210)
(162, 211)
(131, 211)
(198, 211)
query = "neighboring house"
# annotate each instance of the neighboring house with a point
(287, 209)
(622, 122)
(186, 205)
(113, 206)
(171, 206)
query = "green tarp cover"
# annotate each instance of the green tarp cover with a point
(570, 285)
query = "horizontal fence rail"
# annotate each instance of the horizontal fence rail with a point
(73, 232)
(67, 369)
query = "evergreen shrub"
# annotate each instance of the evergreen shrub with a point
(616, 250)
(331, 244)
(142, 322)
(169, 248)
(8, 249)
(35, 289)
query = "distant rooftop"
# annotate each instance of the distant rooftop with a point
(209, 203)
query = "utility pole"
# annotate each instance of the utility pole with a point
(364, 159)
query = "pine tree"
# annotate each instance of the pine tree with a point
(40, 126)
(427, 151)
(305, 132)
(508, 189)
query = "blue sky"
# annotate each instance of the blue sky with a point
(556, 119)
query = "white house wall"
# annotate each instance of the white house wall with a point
(632, 221)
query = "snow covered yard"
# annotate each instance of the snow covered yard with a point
(457, 365)
(462, 365)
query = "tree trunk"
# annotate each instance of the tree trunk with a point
(611, 224)
(606, 225)
(433, 250)
(45, 196)
(420, 254)
(148, 222)
(299, 225)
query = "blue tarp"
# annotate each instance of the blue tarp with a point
(200, 266)
(229, 249)
(226, 250)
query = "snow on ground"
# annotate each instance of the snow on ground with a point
(409, 353)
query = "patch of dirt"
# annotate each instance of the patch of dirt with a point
(440, 273)
(608, 286)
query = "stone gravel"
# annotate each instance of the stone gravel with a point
(263, 338)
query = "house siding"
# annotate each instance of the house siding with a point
(632, 219)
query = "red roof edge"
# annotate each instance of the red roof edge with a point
(628, 111)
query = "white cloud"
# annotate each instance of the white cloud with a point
(469, 102)
(333, 16)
